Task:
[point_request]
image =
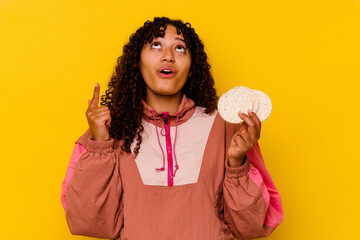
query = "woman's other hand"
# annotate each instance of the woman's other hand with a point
(244, 139)
(99, 118)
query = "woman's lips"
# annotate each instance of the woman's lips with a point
(166, 68)
(164, 75)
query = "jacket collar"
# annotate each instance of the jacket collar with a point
(186, 110)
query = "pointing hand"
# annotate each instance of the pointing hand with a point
(99, 118)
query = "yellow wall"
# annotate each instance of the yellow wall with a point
(303, 54)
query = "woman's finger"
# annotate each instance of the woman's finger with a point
(239, 141)
(102, 118)
(95, 100)
(243, 125)
(253, 129)
(102, 109)
(256, 120)
(99, 110)
(246, 136)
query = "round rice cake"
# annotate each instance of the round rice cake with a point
(236, 99)
(241, 99)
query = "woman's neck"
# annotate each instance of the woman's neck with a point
(163, 103)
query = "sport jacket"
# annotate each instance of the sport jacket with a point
(179, 187)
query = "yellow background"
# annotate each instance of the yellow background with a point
(303, 54)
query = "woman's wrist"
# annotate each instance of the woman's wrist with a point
(234, 163)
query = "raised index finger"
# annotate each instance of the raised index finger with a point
(95, 100)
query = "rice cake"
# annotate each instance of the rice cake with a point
(242, 98)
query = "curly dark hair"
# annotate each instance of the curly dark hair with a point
(127, 88)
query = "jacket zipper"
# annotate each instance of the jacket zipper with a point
(169, 150)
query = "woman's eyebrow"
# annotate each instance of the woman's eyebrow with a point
(180, 39)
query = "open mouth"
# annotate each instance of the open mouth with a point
(166, 72)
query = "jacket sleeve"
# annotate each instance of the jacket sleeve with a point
(251, 203)
(91, 192)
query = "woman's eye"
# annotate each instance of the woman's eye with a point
(181, 48)
(155, 45)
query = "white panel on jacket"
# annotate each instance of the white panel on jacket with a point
(190, 144)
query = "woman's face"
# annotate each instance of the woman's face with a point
(165, 63)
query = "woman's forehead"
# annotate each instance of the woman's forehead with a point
(169, 28)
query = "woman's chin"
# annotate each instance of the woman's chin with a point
(165, 92)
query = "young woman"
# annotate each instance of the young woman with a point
(158, 161)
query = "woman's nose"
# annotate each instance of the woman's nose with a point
(168, 56)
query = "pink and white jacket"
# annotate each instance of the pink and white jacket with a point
(180, 186)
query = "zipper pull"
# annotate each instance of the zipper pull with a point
(165, 117)
(166, 125)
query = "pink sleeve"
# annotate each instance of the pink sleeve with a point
(252, 205)
(256, 177)
(275, 213)
(92, 191)
(78, 150)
